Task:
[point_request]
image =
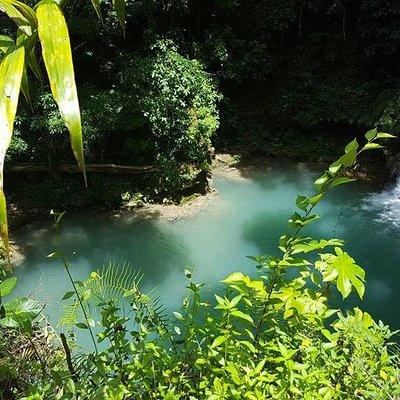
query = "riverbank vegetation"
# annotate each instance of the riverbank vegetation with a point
(272, 334)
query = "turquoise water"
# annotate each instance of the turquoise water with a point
(246, 218)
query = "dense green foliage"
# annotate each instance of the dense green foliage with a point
(273, 335)
(297, 79)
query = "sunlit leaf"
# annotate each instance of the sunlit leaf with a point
(383, 135)
(7, 286)
(56, 49)
(11, 71)
(342, 180)
(370, 146)
(371, 134)
(342, 269)
(20, 313)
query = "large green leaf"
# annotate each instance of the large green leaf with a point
(20, 312)
(56, 49)
(7, 286)
(342, 269)
(11, 71)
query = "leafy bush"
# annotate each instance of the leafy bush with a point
(179, 100)
(272, 335)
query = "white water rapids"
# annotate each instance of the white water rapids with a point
(385, 204)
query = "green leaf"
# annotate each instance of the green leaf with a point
(27, 11)
(348, 159)
(316, 199)
(313, 245)
(7, 286)
(5, 43)
(11, 70)
(81, 325)
(297, 220)
(383, 135)
(302, 202)
(56, 50)
(33, 64)
(334, 168)
(242, 315)
(351, 147)
(343, 269)
(218, 341)
(371, 146)
(20, 313)
(68, 295)
(342, 180)
(371, 134)
(321, 182)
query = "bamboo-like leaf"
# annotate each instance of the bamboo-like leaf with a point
(16, 15)
(23, 40)
(25, 86)
(5, 43)
(33, 64)
(28, 12)
(11, 71)
(119, 6)
(56, 50)
(97, 8)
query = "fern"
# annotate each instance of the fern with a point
(108, 283)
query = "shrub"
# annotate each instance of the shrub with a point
(179, 100)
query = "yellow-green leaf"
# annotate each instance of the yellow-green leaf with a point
(56, 49)
(27, 11)
(119, 6)
(33, 64)
(5, 43)
(23, 40)
(11, 71)
(97, 8)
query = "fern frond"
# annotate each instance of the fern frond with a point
(69, 314)
(114, 280)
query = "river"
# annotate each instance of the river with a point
(246, 218)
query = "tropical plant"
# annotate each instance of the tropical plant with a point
(44, 24)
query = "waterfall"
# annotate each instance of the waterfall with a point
(386, 204)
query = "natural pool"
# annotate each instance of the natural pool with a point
(246, 218)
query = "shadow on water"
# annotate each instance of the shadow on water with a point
(90, 244)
